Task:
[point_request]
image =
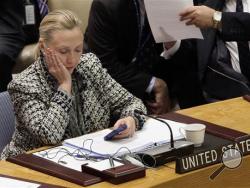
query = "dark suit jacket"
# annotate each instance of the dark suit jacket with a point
(11, 16)
(113, 35)
(11, 20)
(235, 27)
(14, 35)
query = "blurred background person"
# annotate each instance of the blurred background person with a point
(223, 56)
(119, 34)
(19, 21)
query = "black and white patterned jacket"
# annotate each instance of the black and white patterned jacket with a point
(46, 115)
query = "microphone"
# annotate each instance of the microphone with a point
(170, 130)
(164, 153)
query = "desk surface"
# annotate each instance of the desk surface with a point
(233, 113)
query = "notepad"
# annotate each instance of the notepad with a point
(152, 134)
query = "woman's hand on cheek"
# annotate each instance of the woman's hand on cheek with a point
(58, 70)
(129, 131)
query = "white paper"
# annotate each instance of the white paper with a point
(61, 155)
(10, 183)
(163, 17)
(152, 132)
(104, 165)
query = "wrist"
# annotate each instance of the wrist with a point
(168, 45)
(217, 19)
(65, 87)
(136, 122)
(169, 52)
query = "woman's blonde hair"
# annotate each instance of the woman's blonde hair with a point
(55, 21)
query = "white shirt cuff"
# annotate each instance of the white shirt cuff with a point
(151, 85)
(171, 51)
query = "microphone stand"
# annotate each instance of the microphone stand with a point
(164, 153)
(170, 130)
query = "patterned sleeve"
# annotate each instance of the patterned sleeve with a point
(122, 103)
(44, 120)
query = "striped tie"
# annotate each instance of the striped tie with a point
(43, 7)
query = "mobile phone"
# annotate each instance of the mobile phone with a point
(115, 132)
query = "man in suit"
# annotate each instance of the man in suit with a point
(14, 34)
(119, 34)
(223, 62)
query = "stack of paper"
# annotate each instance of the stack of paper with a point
(153, 133)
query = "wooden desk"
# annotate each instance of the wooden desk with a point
(234, 113)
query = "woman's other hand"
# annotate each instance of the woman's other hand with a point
(58, 70)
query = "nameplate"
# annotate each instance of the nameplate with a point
(119, 174)
(209, 157)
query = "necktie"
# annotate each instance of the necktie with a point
(243, 48)
(43, 7)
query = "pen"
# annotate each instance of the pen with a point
(111, 162)
(89, 157)
(63, 162)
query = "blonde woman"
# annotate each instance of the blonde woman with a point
(65, 93)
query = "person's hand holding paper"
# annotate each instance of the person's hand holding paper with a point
(200, 16)
(164, 20)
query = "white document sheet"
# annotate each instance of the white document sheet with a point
(11, 183)
(163, 17)
(67, 156)
(61, 155)
(104, 165)
(153, 132)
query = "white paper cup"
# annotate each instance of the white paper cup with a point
(194, 132)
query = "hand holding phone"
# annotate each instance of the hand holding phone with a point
(115, 132)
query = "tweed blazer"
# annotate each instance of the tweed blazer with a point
(44, 113)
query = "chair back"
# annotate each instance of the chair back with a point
(80, 7)
(7, 119)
